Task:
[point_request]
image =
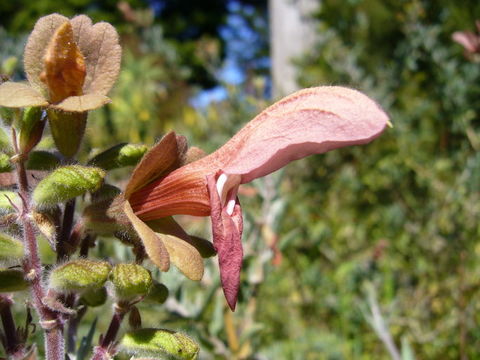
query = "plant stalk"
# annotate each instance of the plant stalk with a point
(101, 352)
(32, 266)
(13, 347)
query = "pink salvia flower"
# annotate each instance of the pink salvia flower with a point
(310, 121)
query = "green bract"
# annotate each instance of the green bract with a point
(80, 275)
(160, 343)
(66, 183)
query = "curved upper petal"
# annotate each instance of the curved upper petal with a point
(310, 121)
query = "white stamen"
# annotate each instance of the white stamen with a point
(222, 179)
(230, 206)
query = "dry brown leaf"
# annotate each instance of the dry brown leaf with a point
(100, 46)
(184, 256)
(36, 47)
(154, 247)
(15, 95)
(82, 103)
(161, 158)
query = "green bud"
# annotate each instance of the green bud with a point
(42, 160)
(80, 275)
(67, 130)
(10, 248)
(31, 129)
(160, 343)
(94, 297)
(5, 164)
(130, 281)
(12, 280)
(118, 156)
(158, 293)
(66, 183)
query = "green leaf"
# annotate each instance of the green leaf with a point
(12, 280)
(10, 248)
(160, 343)
(17, 95)
(66, 183)
(42, 160)
(118, 156)
(130, 281)
(80, 275)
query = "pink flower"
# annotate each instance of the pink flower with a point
(310, 121)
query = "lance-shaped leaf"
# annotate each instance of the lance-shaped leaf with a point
(66, 183)
(80, 275)
(160, 343)
(37, 45)
(10, 248)
(17, 95)
(118, 156)
(130, 281)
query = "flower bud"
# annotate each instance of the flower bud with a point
(66, 183)
(80, 275)
(10, 248)
(160, 343)
(130, 281)
(12, 280)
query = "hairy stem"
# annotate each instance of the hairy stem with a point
(32, 267)
(101, 352)
(67, 224)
